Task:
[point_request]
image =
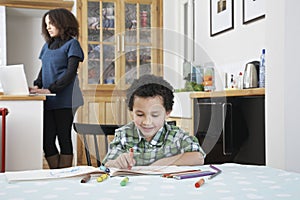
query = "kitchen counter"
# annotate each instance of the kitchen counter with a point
(21, 97)
(229, 93)
(230, 125)
(24, 132)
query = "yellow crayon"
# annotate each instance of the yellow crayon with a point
(102, 177)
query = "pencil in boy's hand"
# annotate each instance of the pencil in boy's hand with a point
(131, 158)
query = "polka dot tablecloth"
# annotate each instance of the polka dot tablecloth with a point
(236, 182)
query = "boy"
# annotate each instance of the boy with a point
(148, 139)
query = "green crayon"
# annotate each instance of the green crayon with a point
(124, 181)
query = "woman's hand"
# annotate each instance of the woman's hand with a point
(36, 90)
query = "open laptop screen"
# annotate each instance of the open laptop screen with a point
(13, 80)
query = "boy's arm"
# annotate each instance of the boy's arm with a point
(184, 159)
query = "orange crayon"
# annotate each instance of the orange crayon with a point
(199, 183)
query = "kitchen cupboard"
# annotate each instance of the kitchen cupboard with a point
(121, 40)
(231, 126)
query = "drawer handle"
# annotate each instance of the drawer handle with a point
(224, 107)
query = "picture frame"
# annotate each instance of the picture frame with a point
(221, 16)
(253, 10)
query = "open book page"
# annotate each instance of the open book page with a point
(149, 170)
(51, 173)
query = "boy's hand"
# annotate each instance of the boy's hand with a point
(124, 161)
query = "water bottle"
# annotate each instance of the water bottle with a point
(262, 69)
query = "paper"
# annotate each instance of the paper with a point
(51, 173)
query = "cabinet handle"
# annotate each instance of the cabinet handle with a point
(118, 43)
(212, 103)
(224, 108)
(123, 42)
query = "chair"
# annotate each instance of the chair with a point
(94, 130)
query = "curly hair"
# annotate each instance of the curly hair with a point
(150, 86)
(64, 21)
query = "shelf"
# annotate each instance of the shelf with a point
(38, 4)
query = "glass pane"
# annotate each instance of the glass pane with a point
(93, 72)
(108, 21)
(145, 61)
(94, 52)
(130, 23)
(93, 21)
(131, 64)
(145, 55)
(145, 23)
(145, 69)
(108, 64)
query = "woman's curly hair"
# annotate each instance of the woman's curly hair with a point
(150, 86)
(64, 21)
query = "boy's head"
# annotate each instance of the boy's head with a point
(150, 86)
(150, 100)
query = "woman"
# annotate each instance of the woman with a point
(60, 57)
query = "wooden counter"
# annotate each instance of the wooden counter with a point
(229, 93)
(21, 97)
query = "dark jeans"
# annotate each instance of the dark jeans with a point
(58, 123)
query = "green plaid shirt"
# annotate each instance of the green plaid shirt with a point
(169, 141)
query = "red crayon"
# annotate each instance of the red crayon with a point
(199, 183)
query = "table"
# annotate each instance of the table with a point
(234, 183)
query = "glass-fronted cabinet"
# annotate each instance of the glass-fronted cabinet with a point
(121, 40)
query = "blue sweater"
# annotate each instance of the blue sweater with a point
(54, 66)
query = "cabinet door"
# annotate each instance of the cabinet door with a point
(140, 44)
(100, 31)
(121, 41)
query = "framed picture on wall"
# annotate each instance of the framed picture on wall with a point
(253, 10)
(221, 16)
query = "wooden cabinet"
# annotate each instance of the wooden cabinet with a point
(122, 40)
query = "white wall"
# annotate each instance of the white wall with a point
(292, 83)
(24, 42)
(2, 36)
(231, 50)
(283, 80)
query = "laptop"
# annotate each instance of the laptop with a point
(14, 82)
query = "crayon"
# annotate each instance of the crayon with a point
(124, 181)
(86, 178)
(102, 177)
(193, 175)
(199, 183)
(105, 169)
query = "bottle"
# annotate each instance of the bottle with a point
(240, 81)
(262, 69)
(231, 81)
